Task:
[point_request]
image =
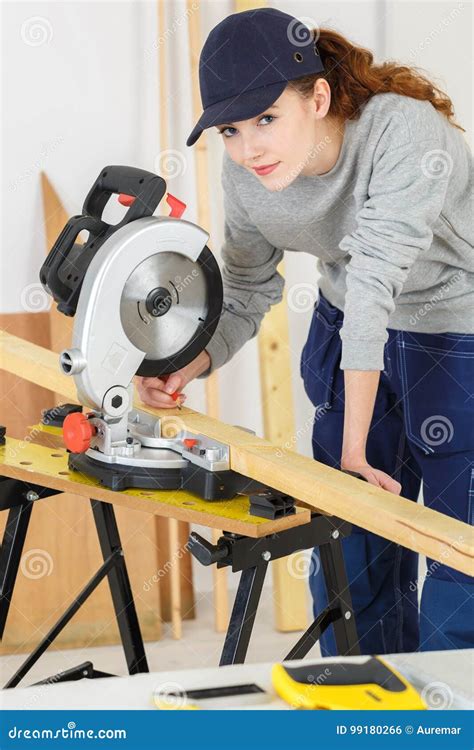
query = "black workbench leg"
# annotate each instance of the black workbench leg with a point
(63, 621)
(10, 556)
(339, 597)
(243, 615)
(120, 588)
(312, 634)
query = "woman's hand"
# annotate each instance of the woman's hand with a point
(155, 391)
(360, 388)
(375, 476)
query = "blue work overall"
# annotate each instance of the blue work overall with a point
(422, 432)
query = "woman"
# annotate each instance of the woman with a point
(362, 166)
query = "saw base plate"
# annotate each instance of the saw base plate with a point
(210, 485)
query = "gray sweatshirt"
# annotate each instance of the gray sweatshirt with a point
(391, 225)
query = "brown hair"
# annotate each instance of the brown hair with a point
(354, 78)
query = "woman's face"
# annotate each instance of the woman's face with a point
(294, 134)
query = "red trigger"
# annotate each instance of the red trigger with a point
(177, 206)
(125, 200)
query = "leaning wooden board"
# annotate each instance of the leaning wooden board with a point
(318, 486)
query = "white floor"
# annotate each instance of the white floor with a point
(200, 646)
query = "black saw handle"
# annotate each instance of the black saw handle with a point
(64, 269)
(147, 188)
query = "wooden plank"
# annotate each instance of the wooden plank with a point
(55, 217)
(221, 597)
(316, 485)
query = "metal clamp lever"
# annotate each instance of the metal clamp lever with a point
(204, 551)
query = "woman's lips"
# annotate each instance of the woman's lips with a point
(266, 170)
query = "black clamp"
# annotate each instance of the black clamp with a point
(272, 504)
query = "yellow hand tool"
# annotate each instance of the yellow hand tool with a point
(374, 684)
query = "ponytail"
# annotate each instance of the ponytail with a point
(354, 79)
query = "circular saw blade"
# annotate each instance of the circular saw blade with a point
(162, 337)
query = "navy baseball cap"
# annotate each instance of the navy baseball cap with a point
(246, 63)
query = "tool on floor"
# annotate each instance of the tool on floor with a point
(184, 700)
(146, 295)
(340, 685)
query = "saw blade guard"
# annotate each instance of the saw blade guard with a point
(147, 295)
(149, 304)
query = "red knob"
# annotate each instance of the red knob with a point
(190, 442)
(77, 432)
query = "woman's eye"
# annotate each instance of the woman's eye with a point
(222, 132)
(264, 117)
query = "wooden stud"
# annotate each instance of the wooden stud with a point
(177, 586)
(221, 599)
(289, 590)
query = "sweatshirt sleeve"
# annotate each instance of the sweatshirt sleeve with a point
(406, 193)
(251, 282)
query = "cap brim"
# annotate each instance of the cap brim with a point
(240, 107)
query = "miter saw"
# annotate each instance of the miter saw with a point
(146, 295)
